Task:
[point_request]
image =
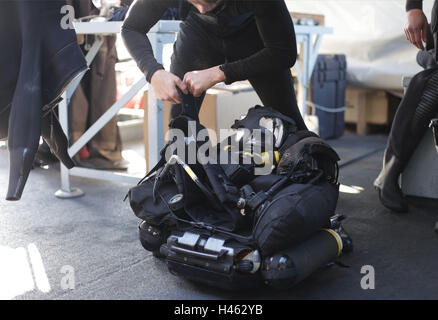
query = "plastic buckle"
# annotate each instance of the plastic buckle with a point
(257, 200)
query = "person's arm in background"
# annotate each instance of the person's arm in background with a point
(417, 25)
(280, 52)
(120, 13)
(141, 17)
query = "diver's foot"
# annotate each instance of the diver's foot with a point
(393, 199)
(101, 163)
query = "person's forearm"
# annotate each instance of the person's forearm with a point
(414, 4)
(141, 51)
(142, 16)
(265, 61)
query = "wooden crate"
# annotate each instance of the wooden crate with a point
(365, 106)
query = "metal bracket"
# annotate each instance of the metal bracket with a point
(73, 193)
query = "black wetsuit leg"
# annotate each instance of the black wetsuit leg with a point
(194, 49)
(418, 107)
(276, 90)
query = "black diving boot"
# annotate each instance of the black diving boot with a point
(387, 184)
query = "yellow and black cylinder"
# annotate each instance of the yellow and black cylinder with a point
(288, 267)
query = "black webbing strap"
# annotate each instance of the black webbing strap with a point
(434, 126)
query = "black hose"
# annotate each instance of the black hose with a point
(363, 156)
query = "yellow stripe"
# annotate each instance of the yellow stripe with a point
(265, 157)
(338, 239)
(277, 157)
(190, 172)
(227, 147)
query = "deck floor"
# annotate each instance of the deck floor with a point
(95, 237)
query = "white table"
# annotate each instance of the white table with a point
(164, 32)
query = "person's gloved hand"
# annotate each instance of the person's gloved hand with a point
(416, 28)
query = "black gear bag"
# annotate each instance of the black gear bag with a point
(221, 224)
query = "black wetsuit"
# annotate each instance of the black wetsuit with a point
(411, 121)
(251, 40)
(414, 4)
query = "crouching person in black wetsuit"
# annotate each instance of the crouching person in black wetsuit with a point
(219, 41)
